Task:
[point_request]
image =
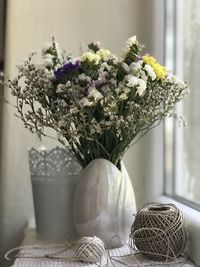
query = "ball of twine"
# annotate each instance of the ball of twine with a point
(158, 231)
(89, 249)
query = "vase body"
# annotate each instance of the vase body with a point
(54, 176)
(104, 202)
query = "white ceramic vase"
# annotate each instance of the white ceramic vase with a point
(104, 202)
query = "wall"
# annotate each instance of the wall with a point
(29, 25)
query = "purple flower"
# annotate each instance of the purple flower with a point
(66, 69)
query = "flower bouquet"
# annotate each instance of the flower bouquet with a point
(98, 103)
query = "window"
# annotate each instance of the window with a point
(182, 144)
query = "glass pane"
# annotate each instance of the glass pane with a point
(169, 122)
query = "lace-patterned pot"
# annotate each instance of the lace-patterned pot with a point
(54, 176)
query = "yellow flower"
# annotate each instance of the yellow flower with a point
(103, 53)
(149, 60)
(91, 57)
(160, 71)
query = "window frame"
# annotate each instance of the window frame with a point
(154, 177)
(176, 143)
(157, 151)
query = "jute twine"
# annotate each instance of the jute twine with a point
(158, 231)
(89, 249)
(86, 249)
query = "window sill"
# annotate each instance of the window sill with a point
(192, 220)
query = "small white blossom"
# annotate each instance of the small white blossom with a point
(93, 92)
(85, 102)
(117, 90)
(48, 56)
(114, 59)
(113, 104)
(125, 67)
(104, 66)
(60, 88)
(135, 67)
(174, 79)
(127, 90)
(150, 72)
(131, 41)
(103, 53)
(141, 88)
(123, 96)
(83, 77)
(143, 76)
(48, 60)
(68, 84)
(91, 57)
(50, 74)
(131, 80)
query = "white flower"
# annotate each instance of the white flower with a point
(50, 74)
(91, 57)
(60, 88)
(85, 102)
(117, 90)
(93, 92)
(83, 77)
(113, 104)
(103, 53)
(141, 88)
(123, 96)
(174, 79)
(135, 67)
(127, 90)
(114, 59)
(48, 63)
(150, 72)
(131, 80)
(131, 41)
(125, 67)
(104, 66)
(143, 75)
(68, 83)
(48, 60)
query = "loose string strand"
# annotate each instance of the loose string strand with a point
(114, 258)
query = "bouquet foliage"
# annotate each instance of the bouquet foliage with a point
(97, 103)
